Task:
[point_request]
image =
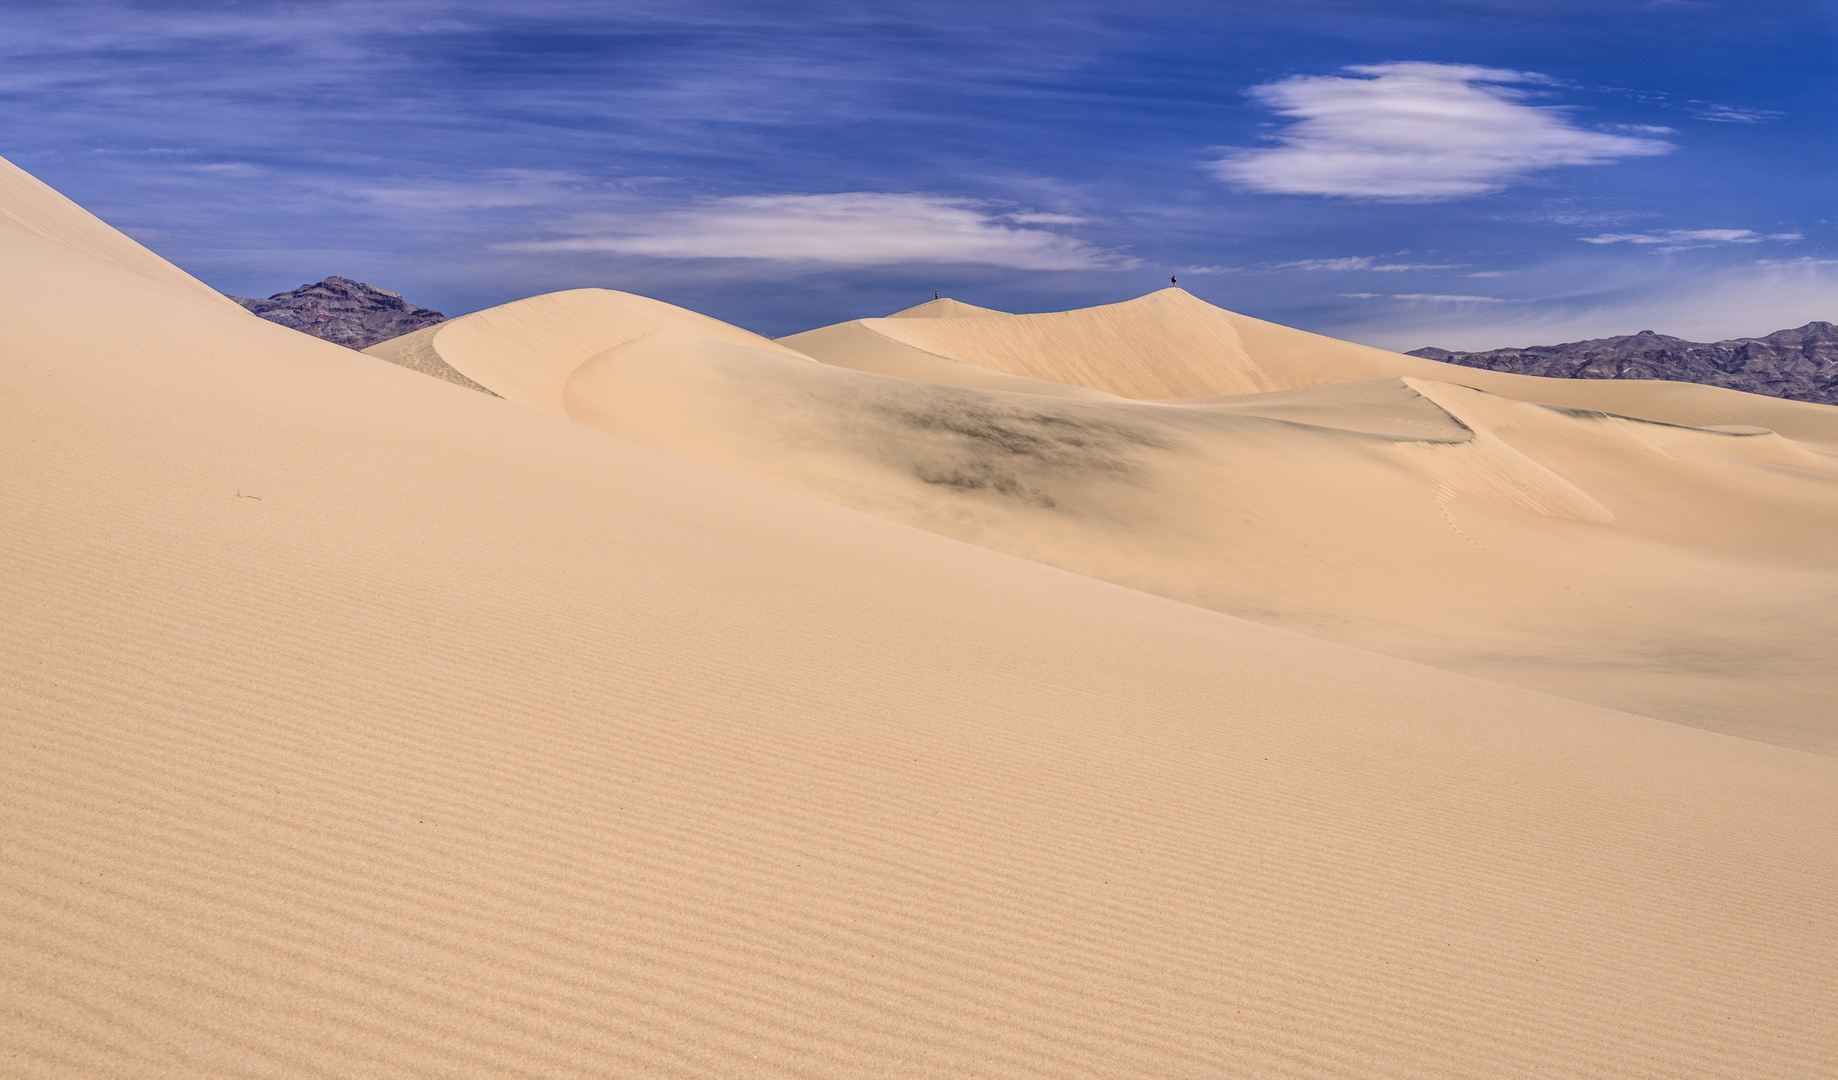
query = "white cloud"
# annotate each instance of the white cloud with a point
(1686, 239)
(497, 189)
(1730, 114)
(853, 228)
(1417, 132)
(1361, 262)
(236, 169)
(1434, 298)
(1357, 262)
(1033, 218)
(1576, 217)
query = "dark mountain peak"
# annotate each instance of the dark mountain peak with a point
(1799, 364)
(1812, 335)
(343, 311)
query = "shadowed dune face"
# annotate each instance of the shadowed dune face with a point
(353, 723)
(1670, 569)
(867, 432)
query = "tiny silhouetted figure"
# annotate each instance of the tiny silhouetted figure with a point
(1170, 279)
(934, 294)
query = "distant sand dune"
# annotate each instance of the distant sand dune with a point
(356, 724)
(526, 351)
(1654, 565)
(1169, 344)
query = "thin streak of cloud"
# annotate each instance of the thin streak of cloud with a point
(1596, 218)
(1433, 298)
(853, 228)
(1730, 114)
(497, 189)
(1362, 262)
(1686, 239)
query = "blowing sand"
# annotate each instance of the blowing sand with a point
(359, 724)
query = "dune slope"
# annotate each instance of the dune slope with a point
(525, 351)
(1677, 571)
(29, 205)
(358, 724)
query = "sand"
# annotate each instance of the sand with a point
(1669, 557)
(359, 724)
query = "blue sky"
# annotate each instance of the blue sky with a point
(1463, 173)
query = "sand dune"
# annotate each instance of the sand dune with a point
(29, 205)
(1170, 344)
(1678, 571)
(526, 351)
(357, 724)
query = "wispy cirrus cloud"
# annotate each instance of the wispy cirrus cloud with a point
(1432, 298)
(1344, 264)
(851, 228)
(1730, 114)
(1417, 132)
(1361, 262)
(1685, 239)
(494, 189)
(1597, 218)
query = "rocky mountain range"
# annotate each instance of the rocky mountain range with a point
(1800, 364)
(342, 311)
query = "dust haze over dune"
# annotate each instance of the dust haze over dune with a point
(707, 705)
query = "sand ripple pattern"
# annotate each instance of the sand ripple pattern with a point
(356, 724)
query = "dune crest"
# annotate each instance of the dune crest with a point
(1164, 345)
(30, 205)
(526, 351)
(944, 308)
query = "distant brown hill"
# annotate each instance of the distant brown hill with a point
(1800, 365)
(343, 311)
